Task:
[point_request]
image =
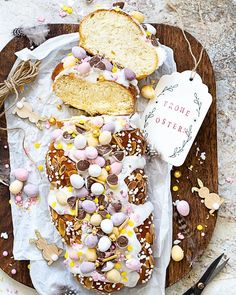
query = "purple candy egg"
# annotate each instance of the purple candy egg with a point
(118, 218)
(99, 161)
(129, 74)
(109, 127)
(21, 174)
(31, 190)
(81, 193)
(87, 267)
(107, 64)
(133, 264)
(89, 206)
(91, 241)
(79, 52)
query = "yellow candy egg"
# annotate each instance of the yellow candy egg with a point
(61, 198)
(105, 137)
(113, 276)
(92, 141)
(138, 16)
(16, 186)
(91, 255)
(177, 253)
(148, 92)
(69, 62)
(103, 175)
(96, 219)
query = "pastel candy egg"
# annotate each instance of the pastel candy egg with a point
(16, 187)
(129, 74)
(91, 152)
(97, 189)
(94, 170)
(91, 255)
(78, 52)
(183, 207)
(107, 64)
(79, 155)
(113, 276)
(109, 127)
(84, 67)
(99, 161)
(177, 253)
(97, 121)
(31, 190)
(108, 266)
(148, 92)
(107, 226)
(73, 254)
(89, 206)
(103, 175)
(80, 141)
(69, 62)
(104, 244)
(56, 133)
(87, 267)
(150, 29)
(91, 241)
(116, 168)
(138, 16)
(81, 193)
(92, 141)
(76, 181)
(21, 174)
(61, 198)
(133, 264)
(118, 218)
(96, 219)
(105, 137)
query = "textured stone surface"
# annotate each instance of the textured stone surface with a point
(218, 35)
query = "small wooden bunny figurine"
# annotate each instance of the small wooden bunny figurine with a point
(24, 110)
(50, 252)
(211, 200)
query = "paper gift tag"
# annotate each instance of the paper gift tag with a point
(171, 121)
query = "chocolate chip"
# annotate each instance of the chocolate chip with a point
(154, 41)
(83, 165)
(67, 135)
(72, 202)
(103, 213)
(117, 206)
(104, 150)
(119, 4)
(81, 214)
(100, 255)
(94, 60)
(80, 130)
(119, 155)
(112, 179)
(122, 242)
(100, 66)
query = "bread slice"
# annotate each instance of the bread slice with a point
(102, 97)
(115, 35)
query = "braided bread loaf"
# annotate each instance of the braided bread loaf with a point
(98, 201)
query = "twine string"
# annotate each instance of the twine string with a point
(195, 61)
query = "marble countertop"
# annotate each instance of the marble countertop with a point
(219, 19)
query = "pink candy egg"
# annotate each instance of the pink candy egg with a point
(99, 161)
(78, 52)
(91, 152)
(133, 264)
(73, 254)
(31, 190)
(79, 155)
(21, 174)
(183, 207)
(83, 68)
(116, 168)
(56, 133)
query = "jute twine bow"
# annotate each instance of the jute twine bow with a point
(196, 62)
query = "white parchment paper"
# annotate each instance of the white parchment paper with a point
(47, 280)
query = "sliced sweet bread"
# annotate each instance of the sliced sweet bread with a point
(118, 37)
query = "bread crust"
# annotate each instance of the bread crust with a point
(82, 38)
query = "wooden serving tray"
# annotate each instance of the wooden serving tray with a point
(192, 169)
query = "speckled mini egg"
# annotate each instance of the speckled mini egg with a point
(62, 198)
(118, 218)
(80, 141)
(31, 190)
(97, 189)
(104, 244)
(91, 241)
(76, 181)
(105, 137)
(113, 276)
(107, 226)
(133, 264)
(96, 219)
(81, 193)
(89, 206)
(16, 187)
(87, 267)
(69, 62)
(177, 253)
(183, 207)
(94, 170)
(99, 161)
(91, 152)
(129, 74)
(84, 67)
(21, 174)
(79, 154)
(151, 29)
(116, 168)
(56, 134)
(110, 126)
(79, 52)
